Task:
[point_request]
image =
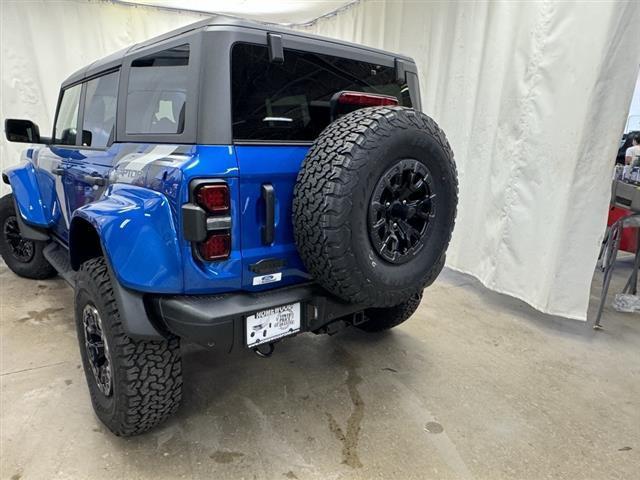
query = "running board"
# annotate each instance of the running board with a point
(58, 257)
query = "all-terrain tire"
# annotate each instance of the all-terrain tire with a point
(146, 376)
(30, 265)
(334, 195)
(379, 319)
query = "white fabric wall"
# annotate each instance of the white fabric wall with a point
(533, 97)
(43, 42)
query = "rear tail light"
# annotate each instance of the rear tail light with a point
(207, 219)
(214, 198)
(365, 99)
(216, 247)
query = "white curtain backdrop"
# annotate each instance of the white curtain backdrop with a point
(533, 97)
(43, 42)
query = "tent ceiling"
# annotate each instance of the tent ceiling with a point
(274, 11)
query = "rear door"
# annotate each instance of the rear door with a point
(86, 172)
(72, 171)
(278, 110)
(52, 159)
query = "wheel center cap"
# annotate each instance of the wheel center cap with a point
(398, 210)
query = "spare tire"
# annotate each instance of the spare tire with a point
(374, 205)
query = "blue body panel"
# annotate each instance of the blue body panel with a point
(138, 217)
(136, 229)
(30, 202)
(213, 161)
(57, 191)
(278, 166)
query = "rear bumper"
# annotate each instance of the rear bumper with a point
(219, 320)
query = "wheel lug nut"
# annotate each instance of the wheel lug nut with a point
(404, 202)
(387, 204)
(395, 225)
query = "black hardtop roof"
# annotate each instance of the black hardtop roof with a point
(115, 59)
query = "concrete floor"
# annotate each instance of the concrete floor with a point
(475, 385)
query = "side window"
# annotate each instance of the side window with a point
(65, 130)
(98, 128)
(157, 92)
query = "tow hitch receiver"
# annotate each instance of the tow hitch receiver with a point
(358, 318)
(340, 323)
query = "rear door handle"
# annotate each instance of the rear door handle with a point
(94, 180)
(57, 170)
(268, 230)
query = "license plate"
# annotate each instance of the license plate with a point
(273, 323)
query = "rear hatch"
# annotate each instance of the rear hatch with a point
(278, 110)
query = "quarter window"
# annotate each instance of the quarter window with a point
(65, 130)
(99, 119)
(157, 92)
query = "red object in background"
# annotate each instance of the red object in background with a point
(629, 240)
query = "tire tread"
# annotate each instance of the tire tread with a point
(149, 373)
(38, 268)
(321, 202)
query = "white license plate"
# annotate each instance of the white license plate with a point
(273, 323)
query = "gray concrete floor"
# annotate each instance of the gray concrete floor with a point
(475, 385)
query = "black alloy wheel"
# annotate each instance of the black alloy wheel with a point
(23, 256)
(97, 348)
(21, 249)
(400, 211)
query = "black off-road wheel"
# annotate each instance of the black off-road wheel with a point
(375, 204)
(134, 384)
(380, 319)
(24, 257)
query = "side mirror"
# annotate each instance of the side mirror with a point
(68, 136)
(23, 131)
(86, 138)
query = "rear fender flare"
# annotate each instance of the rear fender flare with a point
(138, 236)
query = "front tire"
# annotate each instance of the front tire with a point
(134, 384)
(24, 257)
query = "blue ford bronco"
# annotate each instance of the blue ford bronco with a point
(228, 184)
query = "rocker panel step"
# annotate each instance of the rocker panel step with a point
(58, 257)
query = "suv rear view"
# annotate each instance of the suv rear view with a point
(230, 185)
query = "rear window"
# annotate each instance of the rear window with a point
(157, 92)
(290, 101)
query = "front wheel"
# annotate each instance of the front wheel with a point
(24, 257)
(379, 319)
(134, 384)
